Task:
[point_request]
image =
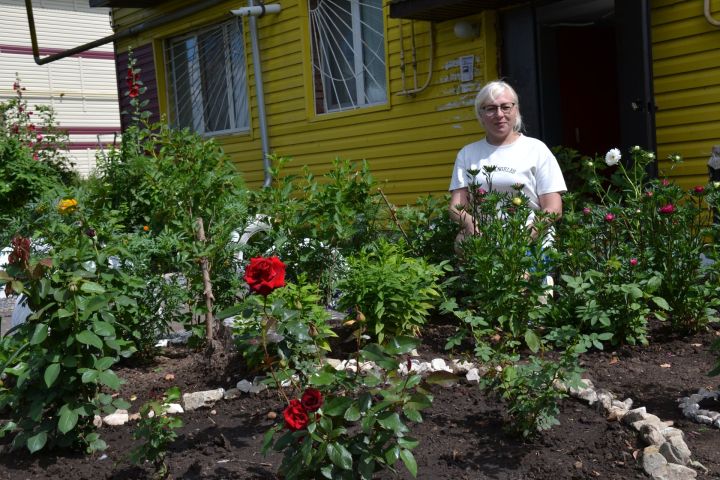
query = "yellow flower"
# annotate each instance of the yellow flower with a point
(69, 205)
(146, 228)
(517, 201)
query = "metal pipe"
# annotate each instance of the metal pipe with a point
(708, 15)
(260, 94)
(257, 11)
(134, 30)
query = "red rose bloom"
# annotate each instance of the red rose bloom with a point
(296, 417)
(311, 399)
(667, 209)
(264, 275)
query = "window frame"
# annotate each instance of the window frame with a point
(198, 106)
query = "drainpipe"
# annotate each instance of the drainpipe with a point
(252, 11)
(708, 15)
(134, 30)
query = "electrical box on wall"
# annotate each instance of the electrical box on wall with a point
(467, 68)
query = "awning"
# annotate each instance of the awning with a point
(125, 3)
(441, 10)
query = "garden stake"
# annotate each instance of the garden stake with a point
(209, 298)
(393, 216)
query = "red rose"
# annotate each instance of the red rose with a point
(311, 399)
(296, 417)
(264, 275)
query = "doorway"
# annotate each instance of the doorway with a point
(582, 69)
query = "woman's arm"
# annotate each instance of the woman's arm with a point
(459, 198)
(551, 203)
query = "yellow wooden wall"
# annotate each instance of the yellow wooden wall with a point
(410, 143)
(686, 70)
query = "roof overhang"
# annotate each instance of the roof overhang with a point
(125, 3)
(441, 10)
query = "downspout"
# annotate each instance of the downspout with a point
(708, 15)
(252, 11)
(134, 30)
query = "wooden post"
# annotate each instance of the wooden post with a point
(209, 298)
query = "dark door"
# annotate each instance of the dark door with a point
(582, 69)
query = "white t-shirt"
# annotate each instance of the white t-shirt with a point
(526, 160)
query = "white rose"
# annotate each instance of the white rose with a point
(612, 157)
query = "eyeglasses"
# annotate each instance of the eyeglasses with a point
(490, 110)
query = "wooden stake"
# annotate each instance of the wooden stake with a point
(209, 298)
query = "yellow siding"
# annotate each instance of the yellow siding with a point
(410, 143)
(687, 85)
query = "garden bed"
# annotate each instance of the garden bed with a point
(462, 436)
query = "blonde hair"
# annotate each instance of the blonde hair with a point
(490, 92)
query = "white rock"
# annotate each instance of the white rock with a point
(334, 362)
(635, 415)
(589, 395)
(652, 459)
(651, 435)
(172, 408)
(461, 366)
(690, 409)
(244, 386)
(120, 417)
(605, 398)
(648, 419)
(671, 432)
(672, 471)
(704, 419)
(97, 421)
(628, 403)
(439, 365)
(162, 343)
(616, 413)
(717, 423)
(207, 398)
(258, 386)
(681, 448)
(231, 394)
(671, 454)
(367, 367)
(473, 376)
(420, 367)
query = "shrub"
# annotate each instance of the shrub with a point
(394, 292)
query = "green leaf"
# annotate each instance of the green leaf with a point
(104, 363)
(51, 374)
(104, 329)
(92, 287)
(392, 455)
(322, 378)
(409, 460)
(441, 377)
(89, 338)
(391, 421)
(532, 341)
(412, 414)
(661, 302)
(68, 419)
(336, 406)
(401, 344)
(340, 456)
(90, 376)
(407, 442)
(39, 335)
(36, 442)
(352, 414)
(109, 379)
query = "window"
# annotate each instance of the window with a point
(208, 80)
(348, 54)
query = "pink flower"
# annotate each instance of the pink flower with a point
(699, 189)
(609, 217)
(586, 211)
(665, 182)
(633, 262)
(39, 137)
(649, 193)
(667, 209)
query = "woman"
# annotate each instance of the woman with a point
(518, 159)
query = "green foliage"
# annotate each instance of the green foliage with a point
(361, 427)
(59, 382)
(288, 330)
(531, 389)
(157, 430)
(429, 229)
(316, 222)
(394, 292)
(32, 155)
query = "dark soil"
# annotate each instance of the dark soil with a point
(462, 436)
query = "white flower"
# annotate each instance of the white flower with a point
(612, 157)
(635, 148)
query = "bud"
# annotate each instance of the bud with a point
(633, 262)
(90, 232)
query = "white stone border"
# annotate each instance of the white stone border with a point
(691, 409)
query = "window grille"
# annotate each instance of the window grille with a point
(348, 54)
(208, 79)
